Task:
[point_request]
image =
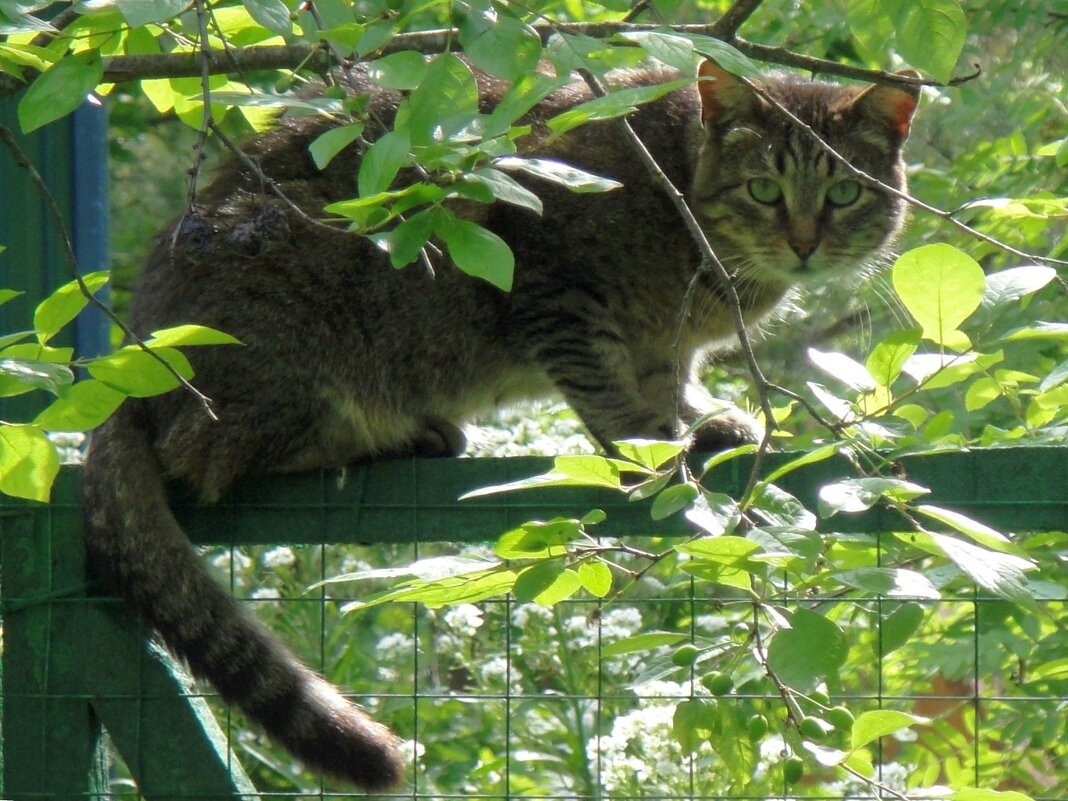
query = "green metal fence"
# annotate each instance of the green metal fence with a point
(75, 663)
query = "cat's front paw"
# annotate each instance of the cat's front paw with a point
(727, 429)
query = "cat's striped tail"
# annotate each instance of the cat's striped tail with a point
(138, 548)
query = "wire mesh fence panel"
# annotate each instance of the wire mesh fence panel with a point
(673, 683)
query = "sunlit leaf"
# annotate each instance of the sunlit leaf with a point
(940, 286)
(28, 462)
(870, 726)
(59, 90)
(84, 406)
(557, 172)
(64, 304)
(845, 369)
(812, 649)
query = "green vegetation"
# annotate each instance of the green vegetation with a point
(806, 666)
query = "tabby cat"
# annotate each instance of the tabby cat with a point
(346, 359)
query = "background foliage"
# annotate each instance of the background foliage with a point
(804, 669)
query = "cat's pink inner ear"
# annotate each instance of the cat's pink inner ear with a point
(892, 104)
(898, 108)
(724, 91)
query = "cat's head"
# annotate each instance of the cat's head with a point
(777, 208)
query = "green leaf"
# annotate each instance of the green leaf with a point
(405, 242)
(850, 372)
(887, 358)
(870, 726)
(647, 641)
(559, 173)
(694, 722)
(401, 71)
(329, 144)
(445, 101)
(18, 375)
(8, 294)
(382, 162)
(588, 471)
(722, 560)
(999, 573)
(973, 529)
(811, 457)
(470, 588)
(537, 540)
(273, 15)
(672, 499)
(504, 187)
(186, 335)
(779, 508)
(596, 578)
(64, 305)
(940, 286)
(546, 583)
(671, 49)
(499, 44)
(726, 55)
(931, 34)
(860, 494)
(141, 12)
(649, 453)
(1012, 284)
(1040, 330)
(898, 627)
(477, 251)
(812, 649)
(616, 104)
(134, 372)
(714, 512)
(84, 406)
(426, 571)
(891, 582)
(59, 90)
(28, 463)
(38, 58)
(983, 391)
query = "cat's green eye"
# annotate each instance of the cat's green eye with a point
(843, 193)
(765, 190)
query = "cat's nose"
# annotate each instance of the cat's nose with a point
(804, 247)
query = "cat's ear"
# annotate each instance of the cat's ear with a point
(892, 106)
(722, 93)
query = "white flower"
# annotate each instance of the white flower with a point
(464, 619)
(396, 647)
(281, 556)
(620, 622)
(232, 556)
(265, 594)
(526, 615)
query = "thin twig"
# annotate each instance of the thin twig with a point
(23, 162)
(265, 180)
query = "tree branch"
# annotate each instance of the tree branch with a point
(121, 69)
(727, 25)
